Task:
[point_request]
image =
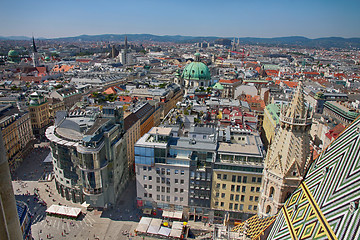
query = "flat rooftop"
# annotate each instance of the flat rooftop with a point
(244, 149)
(160, 131)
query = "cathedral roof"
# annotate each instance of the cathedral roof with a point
(326, 204)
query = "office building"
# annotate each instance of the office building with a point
(89, 155)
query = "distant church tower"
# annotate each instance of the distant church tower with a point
(34, 54)
(288, 156)
(126, 49)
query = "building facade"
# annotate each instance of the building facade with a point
(237, 175)
(175, 172)
(89, 155)
(17, 133)
(39, 114)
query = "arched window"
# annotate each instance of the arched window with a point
(272, 192)
(268, 209)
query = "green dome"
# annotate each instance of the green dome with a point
(13, 53)
(47, 58)
(196, 71)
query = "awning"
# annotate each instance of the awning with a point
(64, 211)
(154, 226)
(164, 231)
(176, 233)
(143, 224)
(177, 225)
(147, 211)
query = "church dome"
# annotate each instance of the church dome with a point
(196, 71)
(13, 53)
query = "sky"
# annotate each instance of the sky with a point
(222, 18)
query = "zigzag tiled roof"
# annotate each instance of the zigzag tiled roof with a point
(326, 204)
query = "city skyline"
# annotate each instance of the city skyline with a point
(200, 18)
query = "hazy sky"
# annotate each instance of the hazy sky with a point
(227, 18)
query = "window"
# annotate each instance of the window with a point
(222, 195)
(218, 185)
(182, 181)
(253, 179)
(233, 178)
(230, 206)
(162, 198)
(167, 180)
(145, 177)
(158, 197)
(238, 188)
(162, 180)
(145, 185)
(162, 189)
(176, 198)
(181, 199)
(167, 189)
(149, 168)
(181, 190)
(242, 198)
(250, 207)
(272, 192)
(225, 177)
(150, 178)
(232, 188)
(219, 176)
(168, 198)
(144, 168)
(217, 194)
(268, 209)
(157, 179)
(158, 170)
(257, 189)
(176, 180)
(243, 189)
(236, 206)
(256, 199)
(158, 188)
(150, 195)
(224, 186)
(150, 186)
(216, 203)
(241, 207)
(182, 172)
(176, 171)
(244, 179)
(176, 190)
(239, 179)
(167, 171)
(252, 189)
(259, 181)
(255, 207)
(222, 204)
(163, 171)
(232, 197)
(251, 198)
(145, 194)
(236, 197)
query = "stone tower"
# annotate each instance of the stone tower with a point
(288, 156)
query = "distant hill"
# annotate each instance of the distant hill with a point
(293, 41)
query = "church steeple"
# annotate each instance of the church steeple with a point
(288, 156)
(33, 45)
(34, 53)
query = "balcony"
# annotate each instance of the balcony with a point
(92, 192)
